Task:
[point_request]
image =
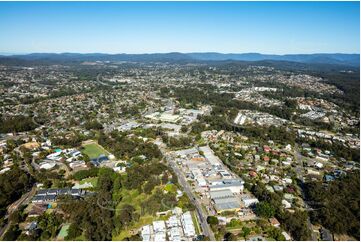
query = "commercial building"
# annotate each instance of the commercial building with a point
(225, 200)
(187, 224)
(234, 185)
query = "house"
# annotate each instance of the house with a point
(266, 149)
(37, 210)
(274, 222)
(286, 204)
(248, 200)
(31, 227)
(329, 178)
(326, 235)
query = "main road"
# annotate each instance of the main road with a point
(207, 231)
(15, 206)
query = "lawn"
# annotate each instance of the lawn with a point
(63, 232)
(142, 221)
(94, 150)
(132, 197)
(92, 180)
(170, 188)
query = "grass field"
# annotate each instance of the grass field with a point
(142, 221)
(135, 199)
(94, 150)
(63, 232)
(92, 180)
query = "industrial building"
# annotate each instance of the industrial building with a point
(225, 200)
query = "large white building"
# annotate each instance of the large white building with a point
(159, 230)
(187, 224)
(235, 185)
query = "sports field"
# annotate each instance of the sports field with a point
(94, 150)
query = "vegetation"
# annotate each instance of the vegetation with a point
(12, 189)
(94, 150)
(16, 124)
(125, 147)
(337, 205)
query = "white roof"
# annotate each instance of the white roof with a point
(160, 236)
(159, 226)
(208, 153)
(175, 234)
(173, 221)
(187, 223)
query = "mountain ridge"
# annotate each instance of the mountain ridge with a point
(319, 58)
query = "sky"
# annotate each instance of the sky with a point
(158, 27)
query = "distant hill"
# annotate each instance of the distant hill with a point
(342, 59)
(334, 59)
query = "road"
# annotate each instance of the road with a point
(101, 82)
(201, 213)
(15, 206)
(300, 175)
(207, 231)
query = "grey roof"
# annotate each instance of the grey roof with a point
(187, 151)
(224, 199)
(63, 191)
(39, 198)
(50, 197)
(225, 186)
(42, 192)
(226, 193)
(227, 205)
(52, 191)
(326, 235)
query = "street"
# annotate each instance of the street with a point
(15, 205)
(207, 231)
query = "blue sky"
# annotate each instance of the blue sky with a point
(149, 27)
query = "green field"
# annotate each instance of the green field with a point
(134, 198)
(92, 180)
(63, 232)
(94, 150)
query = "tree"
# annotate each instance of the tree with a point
(230, 237)
(296, 223)
(12, 233)
(127, 216)
(212, 220)
(337, 205)
(73, 231)
(265, 210)
(184, 129)
(276, 234)
(245, 232)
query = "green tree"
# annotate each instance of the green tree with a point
(212, 220)
(265, 210)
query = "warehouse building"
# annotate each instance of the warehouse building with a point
(225, 200)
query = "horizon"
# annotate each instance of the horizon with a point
(273, 28)
(176, 52)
